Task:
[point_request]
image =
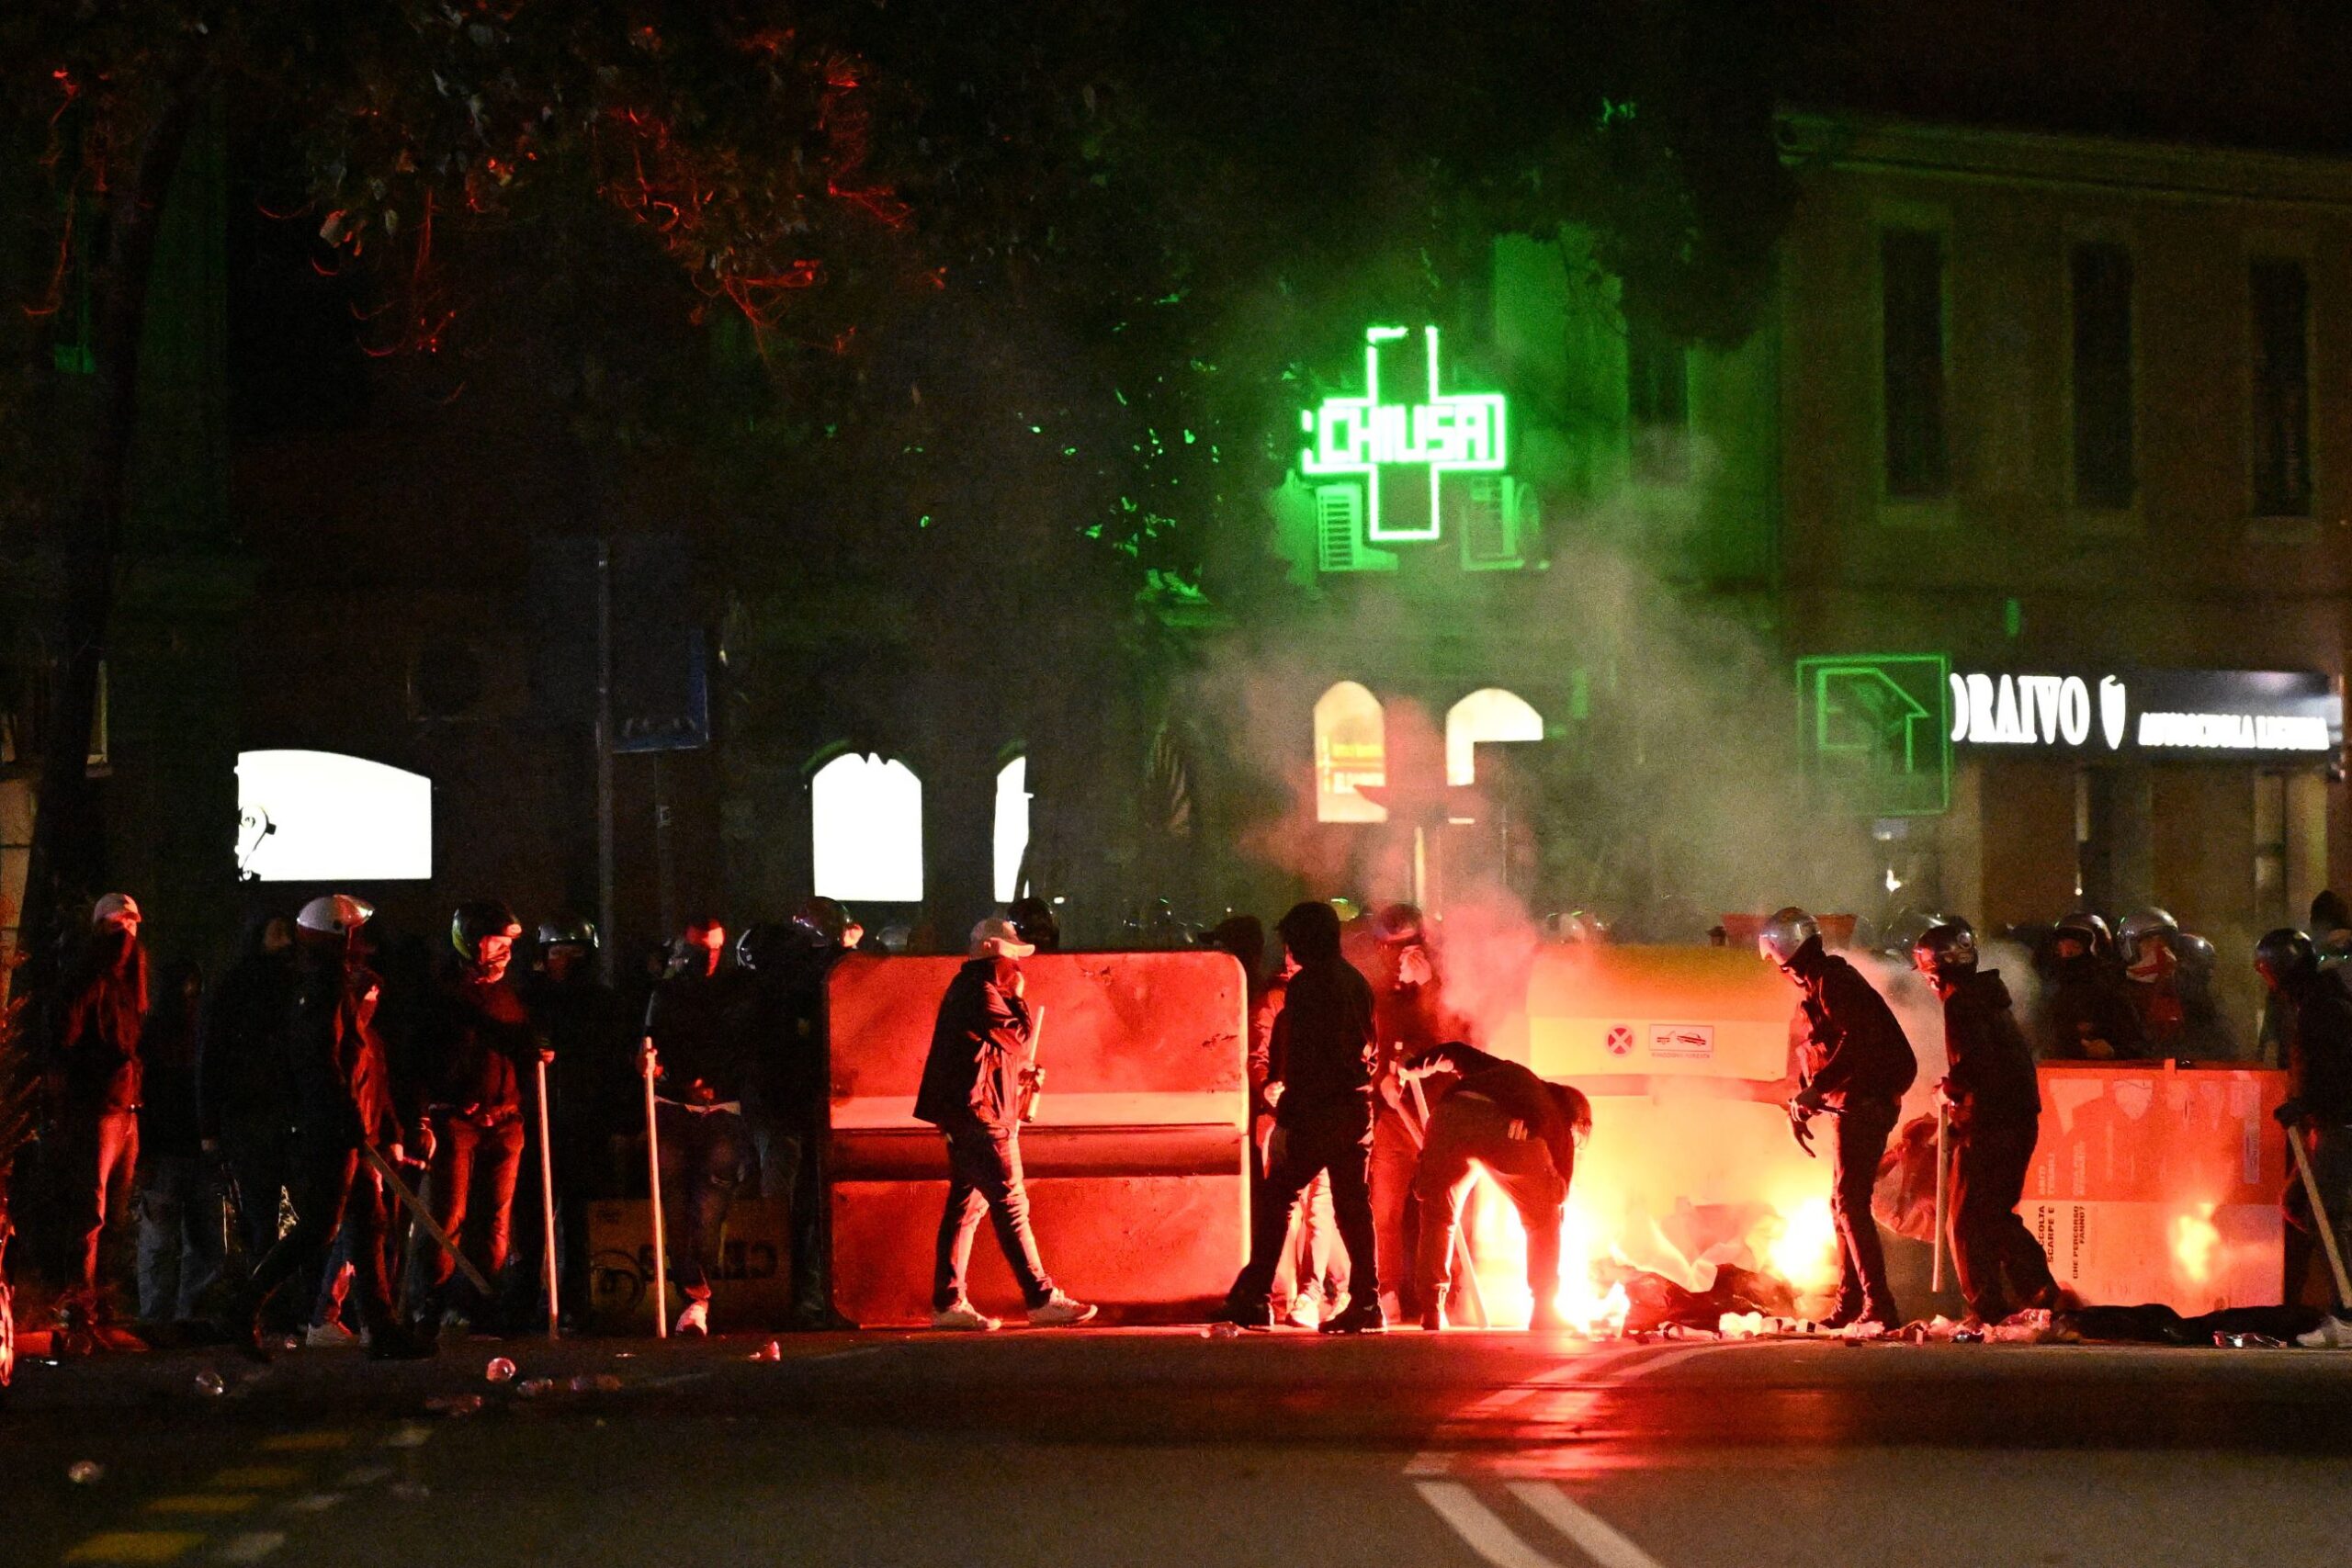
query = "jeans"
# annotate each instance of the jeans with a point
(1394, 1159)
(180, 1240)
(703, 1156)
(1312, 1261)
(1467, 1131)
(984, 1178)
(334, 1190)
(1988, 1237)
(1863, 1127)
(1343, 1149)
(101, 1154)
(467, 1155)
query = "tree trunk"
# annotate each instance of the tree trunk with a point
(66, 854)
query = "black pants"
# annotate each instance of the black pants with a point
(1988, 1237)
(1343, 1148)
(1466, 1130)
(984, 1177)
(333, 1189)
(1863, 1127)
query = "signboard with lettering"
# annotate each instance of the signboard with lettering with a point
(2150, 713)
(1446, 432)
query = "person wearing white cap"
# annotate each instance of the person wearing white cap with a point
(99, 1020)
(971, 1092)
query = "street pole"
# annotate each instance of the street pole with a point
(605, 759)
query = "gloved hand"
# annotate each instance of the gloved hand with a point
(2290, 1113)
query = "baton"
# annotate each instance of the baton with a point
(1469, 1261)
(547, 1204)
(654, 1165)
(1936, 1271)
(1033, 1081)
(415, 1206)
(2319, 1218)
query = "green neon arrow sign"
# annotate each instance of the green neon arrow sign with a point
(1879, 724)
(1456, 433)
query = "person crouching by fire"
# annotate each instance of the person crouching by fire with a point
(1855, 1065)
(1524, 1133)
(1996, 1103)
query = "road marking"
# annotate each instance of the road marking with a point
(410, 1436)
(314, 1503)
(1479, 1527)
(1594, 1535)
(303, 1442)
(1674, 1357)
(238, 1477)
(364, 1475)
(205, 1503)
(250, 1547)
(134, 1545)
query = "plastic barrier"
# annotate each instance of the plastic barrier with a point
(1137, 1163)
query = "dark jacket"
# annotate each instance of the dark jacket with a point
(697, 1027)
(241, 1080)
(977, 1048)
(2318, 1021)
(168, 1122)
(480, 1042)
(1522, 1096)
(594, 1087)
(340, 1072)
(1323, 1047)
(2084, 1002)
(1858, 1050)
(100, 1015)
(1991, 1071)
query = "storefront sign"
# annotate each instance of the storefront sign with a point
(2151, 713)
(1460, 433)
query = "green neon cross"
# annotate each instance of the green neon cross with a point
(1459, 432)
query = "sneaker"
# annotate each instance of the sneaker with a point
(328, 1337)
(1392, 1307)
(2333, 1334)
(1362, 1318)
(1245, 1313)
(1060, 1312)
(963, 1316)
(457, 1318)
(1301, 1313)
(696, 1319)
(1433, 1314)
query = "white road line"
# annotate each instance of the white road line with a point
(314, 1503)
(363, 1475)
(1674, 1357)
(250, 1547)
(409, 1436)
(1479, 1527)
(1594, 1535)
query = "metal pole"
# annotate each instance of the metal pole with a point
(1936, 1273)
(654, 1164)
(546, 1205)
(2319, 1218)
(605, 759)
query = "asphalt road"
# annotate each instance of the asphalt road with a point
(1140, 1447)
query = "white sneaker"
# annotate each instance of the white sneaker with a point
(1391, 1307)
(1301, 1313)
(696, 1319)
(2333, 1334)
(1059, 1312)
(328, 1337)
(963, 1317)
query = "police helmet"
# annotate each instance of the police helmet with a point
(336, 914)
(1398, 922)
(1946, 947)
(819, 922)
(2087, 929)
(1785, 933)
(1036, 921)
(568, 931)
(2197, 954)
(2285, 954)
(476, 919)
(2139, 927)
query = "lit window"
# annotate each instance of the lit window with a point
(323, 816)
(1350, 750)
(866, 830)
(1011, 827)
(1490, 714)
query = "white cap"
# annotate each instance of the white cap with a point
(114, 907)
(336, 914)
(997, 937)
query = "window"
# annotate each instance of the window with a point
(323, 816)
(1350, 749)
(2282, 436)
(1011, 827)
(1658, 404)
(2101, 285)
(1339, 533)
(1490, 714)
(866, 826)
(1911, 294)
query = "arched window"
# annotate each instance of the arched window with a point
(1011, 827)
(1350, 749)
(1489, 713)
(323, 816)
(866, 824)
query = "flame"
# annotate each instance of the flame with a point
(2194, 1240)
(1805, 1251)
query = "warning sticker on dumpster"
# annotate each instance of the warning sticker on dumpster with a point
(1619, 1041)
(1683, 1042)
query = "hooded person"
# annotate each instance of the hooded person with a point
(1409, 1018)
(1855, 1063)
(96, 1076)
(1325, 1045)
(1996, 1101)
(701, 1059)
(592, 1097)
(180, 1191)
(245, 1097)
(2315, 1030)
(981, 1048)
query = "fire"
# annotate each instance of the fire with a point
(2195, 1239)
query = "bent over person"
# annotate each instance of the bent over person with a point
(1523, 1132)
(972, 1091)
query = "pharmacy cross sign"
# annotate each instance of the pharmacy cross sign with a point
(1457, 433)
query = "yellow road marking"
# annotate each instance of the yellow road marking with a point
(304, 1442)
(239, 1476)
(204, 1502)
(134, 1546)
